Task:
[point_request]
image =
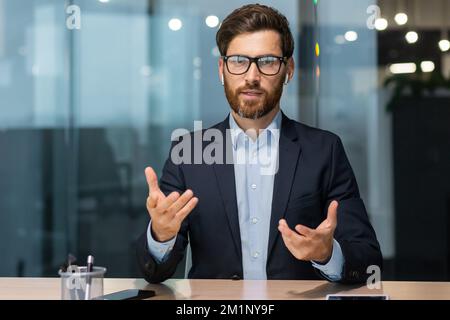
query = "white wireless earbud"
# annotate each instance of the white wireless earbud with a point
(223, 81)
(287, 80)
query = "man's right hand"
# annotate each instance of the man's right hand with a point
(167, 213)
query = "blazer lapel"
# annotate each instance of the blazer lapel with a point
(288, 153)
(227, 186)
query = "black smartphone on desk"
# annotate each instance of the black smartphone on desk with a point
(357, 297)
(129, 294)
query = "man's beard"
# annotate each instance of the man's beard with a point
(252, 109)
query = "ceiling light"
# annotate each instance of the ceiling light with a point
(175, 24)
(399, 68)
(381, 24)
(212, 21)
(401, 18)
(444, 45)
(427, 66)
(412, 37)
(351, 36)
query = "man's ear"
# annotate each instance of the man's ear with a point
(290, 68)
(221, 70)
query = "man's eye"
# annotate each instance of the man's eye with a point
(239, 60)
(267, 61)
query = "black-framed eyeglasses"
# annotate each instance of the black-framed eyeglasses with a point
(267, 65)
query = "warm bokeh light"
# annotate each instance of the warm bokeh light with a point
(212, 21)
(351, 36)
(381, 24)
(427, 66)
(401, 18)
(399, 68)
(412, 37)
(444, 45)
(175, 24)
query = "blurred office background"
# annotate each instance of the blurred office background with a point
(85, 108)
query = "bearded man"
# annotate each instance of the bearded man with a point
(296, 215)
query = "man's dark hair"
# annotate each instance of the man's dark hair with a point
(252, 18)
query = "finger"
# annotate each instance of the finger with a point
(152, 200)
(167, 202)
(287, 241)
(152, 180)
(294, 244)
(181, 202)
(282, 225)
(304, 230)
(285, 230)
(283, 222)
(183, 213)
(332, 214)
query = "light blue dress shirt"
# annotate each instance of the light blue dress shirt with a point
(254, 190)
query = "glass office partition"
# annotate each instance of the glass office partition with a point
(90, 92)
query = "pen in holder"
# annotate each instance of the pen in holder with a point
(79, 284)
(90, 265)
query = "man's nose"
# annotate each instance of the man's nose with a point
(253, 75)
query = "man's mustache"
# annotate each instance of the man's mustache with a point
(247, 88)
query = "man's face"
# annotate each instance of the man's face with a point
(253, 95)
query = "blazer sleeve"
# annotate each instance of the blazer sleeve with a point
(354, 232)
(171, 180)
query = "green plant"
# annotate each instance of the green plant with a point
(416, 85)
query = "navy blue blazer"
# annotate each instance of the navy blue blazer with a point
(313, 171)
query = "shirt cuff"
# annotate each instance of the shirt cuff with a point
(332, 270)
(159, 250)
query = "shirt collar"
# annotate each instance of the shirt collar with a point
(272, 129)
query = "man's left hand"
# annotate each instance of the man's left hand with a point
(311, 244)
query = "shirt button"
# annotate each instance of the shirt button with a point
(255, 254)
(253, 186)
(255, 220)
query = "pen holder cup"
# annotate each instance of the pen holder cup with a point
(77, 284)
